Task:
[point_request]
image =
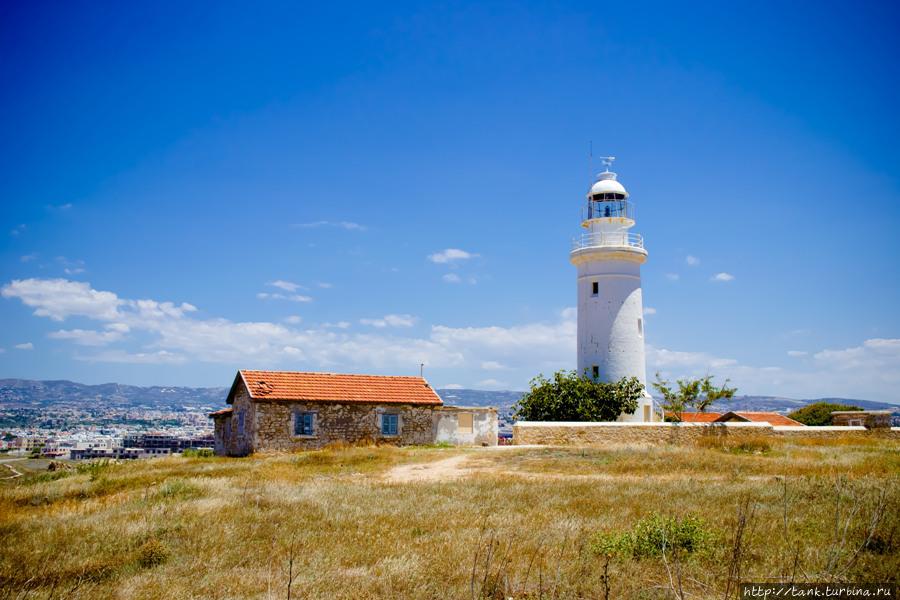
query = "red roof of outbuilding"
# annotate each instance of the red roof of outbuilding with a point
(696, 417)
(220, 413)
(336, 387)
(760, 417)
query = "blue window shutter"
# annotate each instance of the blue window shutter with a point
(389, 424)
(304, 423)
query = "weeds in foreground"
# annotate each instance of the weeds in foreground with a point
(750, 444)
(326, 524)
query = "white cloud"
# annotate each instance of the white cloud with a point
(673, 276)
(88, 337)
(450, 255)
(492, 365)
(692, 261)
(287, 286)
(28, 257)
(324, 285)
(293, 319)
(868, 371)
(492, 384)
(61, 298)
(451, 278)
(289, 297)
(338, 325)
(797, 353)
(60, 207)
(722, 277)
(160, 357)
(71, 267)
(25, 346)
(348, 225)
(391, 321)
(451, 386)
(649, 310)
(18, 230)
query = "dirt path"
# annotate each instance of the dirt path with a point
(439, 470)
(11, 468)
(463, 465)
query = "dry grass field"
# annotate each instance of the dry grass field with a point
(382, 522)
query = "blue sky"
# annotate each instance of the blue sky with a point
(190, 189)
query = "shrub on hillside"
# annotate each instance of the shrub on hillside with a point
(819, 413)
(151, 553)
(568, 397)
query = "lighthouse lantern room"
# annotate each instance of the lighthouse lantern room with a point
(610, 305)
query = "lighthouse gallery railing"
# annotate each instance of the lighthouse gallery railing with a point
(608, 238)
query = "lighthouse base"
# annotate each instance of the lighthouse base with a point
(643, 414)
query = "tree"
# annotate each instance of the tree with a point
(568, 397)
(699, 394)
(818, 413)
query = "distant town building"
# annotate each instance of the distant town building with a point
(118, 453)
(163, 440)
(610, 303)
(290, 410)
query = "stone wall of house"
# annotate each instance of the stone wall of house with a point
(602, 434)
(239, 430)
(338, 423)
(222, 433)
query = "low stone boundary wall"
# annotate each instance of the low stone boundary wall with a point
(547, 433)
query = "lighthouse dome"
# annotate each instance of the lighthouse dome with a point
(606, 184)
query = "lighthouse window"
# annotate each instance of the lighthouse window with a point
(640, 326)
(595, 372)
(595, 288)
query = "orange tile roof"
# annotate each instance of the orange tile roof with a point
(762, 417)
(697, 417)
(220, 413)
(336, 387)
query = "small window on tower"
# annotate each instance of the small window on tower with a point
(640, 327)
(595, 372)
(595, 288)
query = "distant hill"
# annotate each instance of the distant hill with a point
(31, 393)
(786, 405)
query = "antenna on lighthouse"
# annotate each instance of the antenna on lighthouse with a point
(608, 161)
(591, 159)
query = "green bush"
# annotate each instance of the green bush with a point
(568, 397)
(818, 413)
(654, 534)
(198, 453)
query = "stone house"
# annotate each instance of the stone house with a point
(870, 419)
(290, 410)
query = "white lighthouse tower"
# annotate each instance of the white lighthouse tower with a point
(610, 304)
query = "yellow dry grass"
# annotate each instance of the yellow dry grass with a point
(507, 523)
